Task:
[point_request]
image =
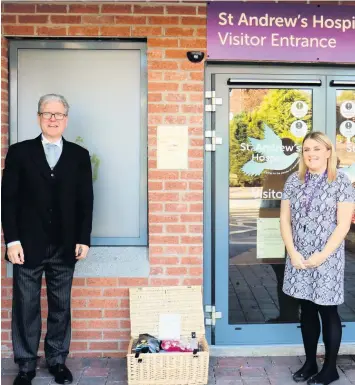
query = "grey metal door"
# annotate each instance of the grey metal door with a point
(105, 84)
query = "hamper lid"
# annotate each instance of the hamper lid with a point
(147, 303)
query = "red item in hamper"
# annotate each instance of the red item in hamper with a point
(176, 346)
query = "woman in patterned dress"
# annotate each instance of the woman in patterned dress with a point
(316, 211)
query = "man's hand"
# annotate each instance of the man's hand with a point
(81, 251)
(297, 260)
(15, 254)
(315, 260)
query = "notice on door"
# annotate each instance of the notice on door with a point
(269, 243)
(172, 147)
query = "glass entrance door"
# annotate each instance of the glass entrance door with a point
(258, 130)
(341, 126)
(260, 126)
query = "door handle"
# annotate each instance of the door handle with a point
(270, 82)
(342, 83)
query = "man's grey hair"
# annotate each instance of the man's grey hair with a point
(53, 98)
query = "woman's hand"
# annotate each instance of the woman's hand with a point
(297, 260)
(315, 260)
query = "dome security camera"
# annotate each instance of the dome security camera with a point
(195, 56)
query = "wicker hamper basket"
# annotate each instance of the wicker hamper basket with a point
(167, 368)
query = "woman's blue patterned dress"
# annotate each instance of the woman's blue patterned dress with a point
(323, 285)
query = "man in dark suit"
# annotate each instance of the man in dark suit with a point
(47, 204)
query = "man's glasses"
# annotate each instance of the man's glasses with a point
(48, 115)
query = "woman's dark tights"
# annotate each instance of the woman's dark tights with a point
(332, 331)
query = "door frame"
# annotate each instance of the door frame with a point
(247, 69)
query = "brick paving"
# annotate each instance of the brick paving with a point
(222, 371)
(253, 294)
(253, 286)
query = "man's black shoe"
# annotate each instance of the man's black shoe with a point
(24, 378)
(62, 375)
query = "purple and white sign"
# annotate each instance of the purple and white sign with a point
(280, 32)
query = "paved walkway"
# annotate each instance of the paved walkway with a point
(223, 371)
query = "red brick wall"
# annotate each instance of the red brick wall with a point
(100, 312)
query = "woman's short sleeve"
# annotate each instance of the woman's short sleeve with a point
(288, 187)
(345, 190)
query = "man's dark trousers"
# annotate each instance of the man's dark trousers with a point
(26, 317)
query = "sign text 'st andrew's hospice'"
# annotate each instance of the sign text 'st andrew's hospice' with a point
(278, 40)
(293, 32)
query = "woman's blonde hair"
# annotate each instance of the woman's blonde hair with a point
(331, 162)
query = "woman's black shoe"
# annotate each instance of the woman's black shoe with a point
(305, 373)
(323, 379)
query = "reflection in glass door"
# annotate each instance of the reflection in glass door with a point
(266, 129)
(260, 125)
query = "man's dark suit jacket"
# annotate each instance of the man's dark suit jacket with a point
(27, 185)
